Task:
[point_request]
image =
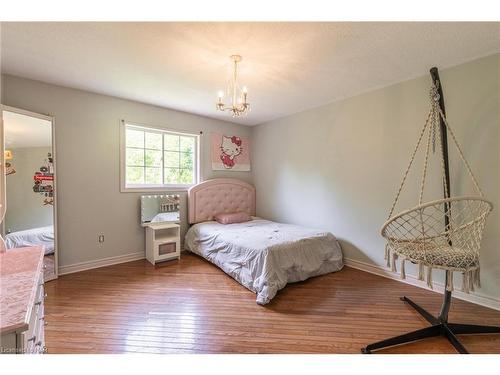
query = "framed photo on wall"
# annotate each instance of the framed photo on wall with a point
(230, 153)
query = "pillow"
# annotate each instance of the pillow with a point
(232, 218)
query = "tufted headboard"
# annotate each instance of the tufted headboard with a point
(219, 195)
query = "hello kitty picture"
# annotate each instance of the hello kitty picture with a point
(230, 152)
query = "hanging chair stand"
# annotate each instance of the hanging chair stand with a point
(443, 234)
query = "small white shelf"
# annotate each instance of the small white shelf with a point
(162, 242)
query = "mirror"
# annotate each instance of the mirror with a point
(30, 185)
(160, 208)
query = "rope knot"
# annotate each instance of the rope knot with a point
(434, 94)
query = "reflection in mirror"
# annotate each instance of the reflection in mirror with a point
(29, 217)
(159, 209)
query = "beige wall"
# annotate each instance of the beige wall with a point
(338, 167)
(25, 209)
(87, 158)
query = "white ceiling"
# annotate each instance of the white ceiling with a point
(25, 131)
(288, 67)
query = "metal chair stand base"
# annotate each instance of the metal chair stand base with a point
(439, 327)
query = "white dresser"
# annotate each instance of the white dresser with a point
(22, 296)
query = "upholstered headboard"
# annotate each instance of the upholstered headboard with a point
(219, 195)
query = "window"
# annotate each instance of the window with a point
(155, 158)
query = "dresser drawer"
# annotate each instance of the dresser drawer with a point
(33, 339)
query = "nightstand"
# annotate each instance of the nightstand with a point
(163, 242)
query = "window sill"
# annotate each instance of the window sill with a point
(152, 189)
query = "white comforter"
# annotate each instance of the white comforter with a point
(263, 255)
(43, 236)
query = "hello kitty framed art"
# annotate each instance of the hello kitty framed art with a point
(230, 153)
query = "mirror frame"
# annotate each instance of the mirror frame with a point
(54, 155)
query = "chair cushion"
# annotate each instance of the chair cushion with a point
(438, 255)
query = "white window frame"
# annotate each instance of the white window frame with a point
(156, 187)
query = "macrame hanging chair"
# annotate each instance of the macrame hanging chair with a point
(441, 234)
(444, 233)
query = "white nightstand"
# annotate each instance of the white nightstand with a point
(163, 242)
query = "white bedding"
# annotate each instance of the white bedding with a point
(43, 236)
(263, 255)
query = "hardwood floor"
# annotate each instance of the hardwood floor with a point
(191, 306)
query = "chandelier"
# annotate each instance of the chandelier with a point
(238, 105)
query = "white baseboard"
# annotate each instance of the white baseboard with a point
(412, 280)
(83, 266)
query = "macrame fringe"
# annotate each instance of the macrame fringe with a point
(470, 279)
(393, 265)
(429, 277)
(449, 281)
(465, 282)
(421, 272)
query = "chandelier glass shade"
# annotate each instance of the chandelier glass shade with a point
(238, 96)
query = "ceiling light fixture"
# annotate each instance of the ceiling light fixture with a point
(238, 105)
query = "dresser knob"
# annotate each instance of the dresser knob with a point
(45, 295)
(44, 266)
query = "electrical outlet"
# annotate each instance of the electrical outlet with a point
(100, 238)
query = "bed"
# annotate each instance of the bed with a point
(43, 236)
(261, 255)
